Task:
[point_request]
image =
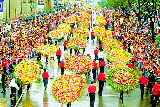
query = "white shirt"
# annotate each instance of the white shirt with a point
(100, 55)
(13, 84)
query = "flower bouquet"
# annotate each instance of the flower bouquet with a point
(27, 70)
(123, 78)
(79, 64)
(68, 88)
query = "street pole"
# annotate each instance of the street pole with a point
(139, 19)
(9, 8)
(21, 8)
(6, 12)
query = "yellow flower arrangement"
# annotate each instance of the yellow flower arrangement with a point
(57, 34)
(27, 71)
(65, 28)
(47, 49)
(75, 42)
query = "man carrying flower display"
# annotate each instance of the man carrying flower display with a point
(102, 65)
(101, 79)
(92, 91)
(155, 94)
(58, 54)
(152, 80)
(92, 36)
(95, 69)
(143, 82)
(62, 67)
(45, 76)
(96, 51)
(65, 45)
(4, 64)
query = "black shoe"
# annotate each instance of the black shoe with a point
(100, 94)
(3, 92)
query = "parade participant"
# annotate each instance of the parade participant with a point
(102, 65)
(45, 76)
(58, 54)
(151, 79)
(13, 86)
(62, 67)
(4, 64)
(143, 82)
(155, 94)
(95, 69)
(69, 105)
(100, 55)
(96, 51)
(131, 64)
(65, 45)
(102, 80)
(101, 46)
(92, 91)
(92, 36)
(4, 79)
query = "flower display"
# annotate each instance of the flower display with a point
(82, 16)
(27, 70)
(65, 28)
(99, 30)
(47, 49)
(75, 42)
(68, 88)
(81, 32)
(123, 78)
(57, 34)
(79, 64)
(117, 64)
(114, 50)
(119, 55)
(100, 20)
(71, 19)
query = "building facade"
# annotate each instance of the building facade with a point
(15, 8)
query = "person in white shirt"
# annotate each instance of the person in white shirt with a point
(13, 85)
(100, 55)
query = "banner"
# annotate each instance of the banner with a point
(1, 5)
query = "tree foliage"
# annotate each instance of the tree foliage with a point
(117, 3)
